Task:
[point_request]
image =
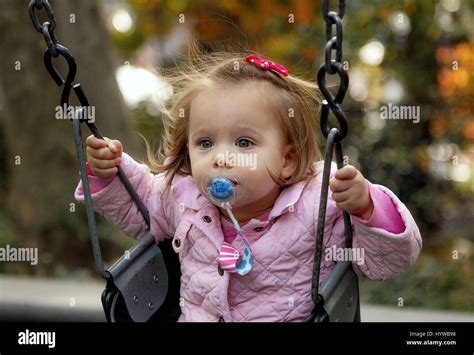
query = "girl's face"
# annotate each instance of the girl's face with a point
(231, 134)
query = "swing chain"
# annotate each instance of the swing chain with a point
(334, 137)
(54, 50)
(78, 116)
(333, 43)
(48, 27)
(331, 67)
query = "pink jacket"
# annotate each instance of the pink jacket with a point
(278, 287)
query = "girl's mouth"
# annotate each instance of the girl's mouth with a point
(232, 180)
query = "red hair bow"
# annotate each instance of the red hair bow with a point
(266, 64)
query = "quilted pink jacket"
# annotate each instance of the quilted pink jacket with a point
(278, 287)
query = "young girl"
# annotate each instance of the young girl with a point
(246, 120)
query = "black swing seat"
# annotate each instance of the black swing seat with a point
(340, 296)
(144, 284)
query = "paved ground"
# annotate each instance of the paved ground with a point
(76, 300)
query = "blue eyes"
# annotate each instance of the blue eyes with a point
(241, 143)
(246, 145)
(205, 143)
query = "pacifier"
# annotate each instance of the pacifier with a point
(223, 192)
(221, 188)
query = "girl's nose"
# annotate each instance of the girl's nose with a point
(224, 160)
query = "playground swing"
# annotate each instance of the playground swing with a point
(143, 285)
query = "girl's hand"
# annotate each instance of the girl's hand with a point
(351, 192)
(103, 156)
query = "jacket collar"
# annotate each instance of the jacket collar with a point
(187, 194)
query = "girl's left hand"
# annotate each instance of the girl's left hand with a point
(351, 192)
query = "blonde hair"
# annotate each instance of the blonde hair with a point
(295, 107)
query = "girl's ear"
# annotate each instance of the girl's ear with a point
(289, 167)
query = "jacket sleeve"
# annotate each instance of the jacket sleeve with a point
(381, 254)
(387, 254)
(114, 203)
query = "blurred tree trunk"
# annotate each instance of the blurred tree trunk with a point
(41, 163)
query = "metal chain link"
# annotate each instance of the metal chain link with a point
(48, 27)
(333, 66)
(54, 50)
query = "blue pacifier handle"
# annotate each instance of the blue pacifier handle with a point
(221, 188)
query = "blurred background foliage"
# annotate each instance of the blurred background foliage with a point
(405, 53)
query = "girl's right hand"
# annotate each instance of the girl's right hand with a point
(103, 156)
